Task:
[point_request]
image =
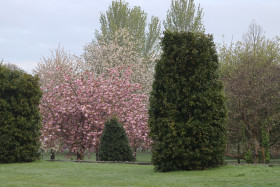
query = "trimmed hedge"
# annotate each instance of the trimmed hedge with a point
(20, 118)
(187, 114)
(114, 144)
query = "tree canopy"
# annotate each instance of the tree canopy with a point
(120, 16)
(251, 75)
(183, 16)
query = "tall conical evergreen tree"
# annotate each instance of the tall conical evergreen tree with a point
(114, 144)
(187, 114)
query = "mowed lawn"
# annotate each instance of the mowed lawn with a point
(44, 173)
(141, 157)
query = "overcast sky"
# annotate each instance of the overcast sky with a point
(29, 29)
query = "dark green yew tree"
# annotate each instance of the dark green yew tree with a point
(19, 116)
(114, 144)
(187, 114)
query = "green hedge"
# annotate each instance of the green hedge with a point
(20, 118)
(187, 114)
(114, 144)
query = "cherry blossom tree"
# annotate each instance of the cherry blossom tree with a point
(80, 94)
(59, 59)
(74, 111)
(120, 51)
(50, 78)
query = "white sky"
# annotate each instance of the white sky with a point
(29, 29)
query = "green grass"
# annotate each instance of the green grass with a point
(44, 173)
(140, 157)
(143, 157)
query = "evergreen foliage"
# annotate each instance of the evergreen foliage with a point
(19, 116)
(114, 145)
(187, 114)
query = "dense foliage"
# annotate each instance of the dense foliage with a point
(20, 118)
(187, 114)
(114, 144)
(74, 111)
(120, 51)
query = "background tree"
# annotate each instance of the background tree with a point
(10, 66)
(251, 74)
(51, 71)
(114, 144)
(59, 59)
(20, 120)
(187, 114)
(74, 112)
(183, 16)
(120, 51)
(121, 16)
(127, 39)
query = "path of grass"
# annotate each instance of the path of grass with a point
(43, 173)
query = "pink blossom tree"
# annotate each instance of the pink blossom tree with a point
(59, 59)
(74, 111)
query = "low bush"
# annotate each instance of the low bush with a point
(114, 145)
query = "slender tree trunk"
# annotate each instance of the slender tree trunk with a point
(238, 152)
(52, 154)
(80, 156)
(97, 157)
(96, 154)
(256, 150)
(263, 155)
(134, 154)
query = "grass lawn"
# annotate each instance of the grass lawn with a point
(44, 173)
(141, 157)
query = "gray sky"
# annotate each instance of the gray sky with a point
(29, 29)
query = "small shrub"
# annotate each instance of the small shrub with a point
(248, 157)
(114, 145)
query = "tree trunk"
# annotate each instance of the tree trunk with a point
(52, 154)
(134, 154)
(97, 157)
(263, 155)
(256, 150)
(238, 152)
(80, 156)
(96, 154)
